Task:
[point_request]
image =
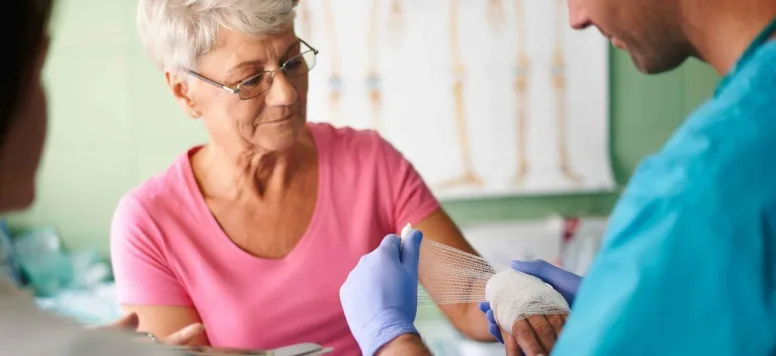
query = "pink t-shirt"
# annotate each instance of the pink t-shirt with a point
(167, 248)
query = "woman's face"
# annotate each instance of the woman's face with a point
(271, 121)
(23, 144)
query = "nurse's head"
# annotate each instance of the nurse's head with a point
(22, 103)
(650, 30)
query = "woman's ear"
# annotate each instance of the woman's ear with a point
(180, 90)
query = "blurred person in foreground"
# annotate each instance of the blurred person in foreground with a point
(688, 264)
(25, 330)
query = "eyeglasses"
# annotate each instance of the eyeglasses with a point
(258, 84)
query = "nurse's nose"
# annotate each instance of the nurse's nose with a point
(578, 18)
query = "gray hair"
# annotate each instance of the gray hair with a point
(175, 33)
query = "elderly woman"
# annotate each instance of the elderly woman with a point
(253, 233)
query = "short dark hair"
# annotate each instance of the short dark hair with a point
(25, 25)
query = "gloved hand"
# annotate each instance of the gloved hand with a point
(380, 295)
(565, 282)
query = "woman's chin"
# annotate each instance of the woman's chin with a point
(278, 137)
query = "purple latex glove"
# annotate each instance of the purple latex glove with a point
(565, 282)
(380, 295)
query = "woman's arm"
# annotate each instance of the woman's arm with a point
(413, 202)
(146, 282)
(163, 321)
(467, 318)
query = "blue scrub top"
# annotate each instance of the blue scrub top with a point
(688, 266)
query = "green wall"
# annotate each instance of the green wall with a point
(113, 124)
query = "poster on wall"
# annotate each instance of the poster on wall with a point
(484, 97)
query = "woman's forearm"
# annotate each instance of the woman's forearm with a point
(172, 325)
(469, 320)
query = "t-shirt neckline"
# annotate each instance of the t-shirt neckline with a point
(307, 238)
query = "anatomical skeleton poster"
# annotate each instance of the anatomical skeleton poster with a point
(484, 97)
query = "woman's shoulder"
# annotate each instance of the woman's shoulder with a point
(164, 190)
(345, 139)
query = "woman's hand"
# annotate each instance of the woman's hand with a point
(537, 334)
(130, 322)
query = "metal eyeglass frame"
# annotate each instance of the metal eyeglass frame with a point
(271, 73)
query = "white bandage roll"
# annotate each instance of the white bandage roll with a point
(451, 276)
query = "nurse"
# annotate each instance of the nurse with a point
(688, 265)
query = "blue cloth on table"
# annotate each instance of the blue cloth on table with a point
(9, 264)
(96, 306)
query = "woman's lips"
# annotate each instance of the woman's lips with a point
(278, 121)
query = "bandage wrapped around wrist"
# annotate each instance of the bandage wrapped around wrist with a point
(451, 276)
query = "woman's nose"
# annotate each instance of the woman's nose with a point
(281, 92)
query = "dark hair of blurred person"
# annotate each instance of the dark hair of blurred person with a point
(22, 100)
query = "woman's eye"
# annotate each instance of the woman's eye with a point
(293, 63)
(252, 81)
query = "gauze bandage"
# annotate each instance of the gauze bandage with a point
(451, 276)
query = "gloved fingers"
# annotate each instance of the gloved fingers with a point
(536, 268)
(484, 306)
(410, 251)
(493, 327)
(491, 316)
(390, 244)
(544, 331)
(565, 282)
(496, 332)
(526, 339)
